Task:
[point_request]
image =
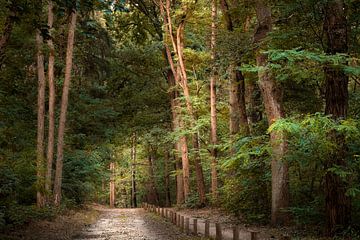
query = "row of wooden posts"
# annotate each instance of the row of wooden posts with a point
(184, 223)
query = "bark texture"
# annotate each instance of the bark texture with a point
(213, 118)
(40, 198)
(63, 110)
(183, 188)
(338, 205)
(51, 81)
(272, 97)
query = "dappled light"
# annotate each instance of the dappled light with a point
(196, 119)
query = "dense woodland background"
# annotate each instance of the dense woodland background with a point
(251, 106)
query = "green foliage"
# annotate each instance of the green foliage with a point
(249, 168)
(309, 148)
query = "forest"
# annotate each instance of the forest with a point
(250, 106)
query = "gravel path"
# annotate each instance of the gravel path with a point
(130, 224)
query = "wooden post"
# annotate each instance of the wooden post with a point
(178, 220)
(174, 219)
(162, 212)
(253, 235)
(218, 231)
(166, 213)
(171, 215)
(195, 226)
(235, 233)
(207, 228)
(187, 225)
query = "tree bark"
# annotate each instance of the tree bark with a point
(181, 145)
(133, 172)
(40, 200)
(195, 136)
(272, 97)
(213, 117)
(51, 130)
(337, 204)
(63, 110)
(179, 74)
(112, 184)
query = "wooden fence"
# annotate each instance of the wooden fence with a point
(196, 226)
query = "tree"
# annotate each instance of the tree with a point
(237, 109)
(179, 72)
(338, 206)
(63, 110)
(213, 118)
(272, 97)
(40, 120)
(112, 185)
(51, 112)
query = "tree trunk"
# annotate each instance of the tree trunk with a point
(51, 130)
(272, 97)
(195, 138)
(234, 103)
(40, 121)
(253, 100)
(182, 191)
(179, 74)
(213, 118)
(133, 172)
(238, 122)
(63, 110)
(112, 184)
(244, 125)
(153, 192)
(338, 205)
(167, 179)
(180, 198)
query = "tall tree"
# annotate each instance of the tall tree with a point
(338, 206)
(179, 72)
(182, 190)
(272, 97)
(63, 110)
(237, 109)
(213, 118)
(51, 82)
(40, 120)
(112, 185)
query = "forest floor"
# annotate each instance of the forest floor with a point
(100, 223)
(64, 226)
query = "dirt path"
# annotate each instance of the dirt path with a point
(130, 224)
